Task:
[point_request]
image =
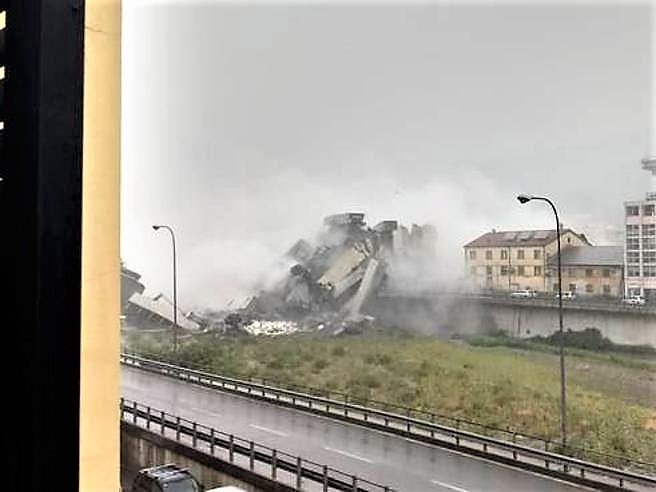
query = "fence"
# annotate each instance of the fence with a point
(269, 462)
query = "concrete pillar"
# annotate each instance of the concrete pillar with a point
(100, 334)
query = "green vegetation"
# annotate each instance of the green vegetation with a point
(588, 343)
(500, 382)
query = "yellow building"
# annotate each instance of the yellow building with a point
(511, 260)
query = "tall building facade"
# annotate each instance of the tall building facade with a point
(640, 241)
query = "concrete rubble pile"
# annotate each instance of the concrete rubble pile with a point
(329, 283)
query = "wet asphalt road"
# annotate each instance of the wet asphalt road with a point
(386, 459)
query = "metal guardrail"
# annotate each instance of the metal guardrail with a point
(274, 464)
(515, 453)
(582, 304)
(516, 437)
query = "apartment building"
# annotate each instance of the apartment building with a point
(511, 260)
(589, 271)
(640, 240)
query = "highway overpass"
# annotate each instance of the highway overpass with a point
(448, 313)
(403, 464)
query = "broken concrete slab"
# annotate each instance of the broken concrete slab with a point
(371, 279)
(338, 272)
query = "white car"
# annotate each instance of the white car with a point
(568, 295)
(524, 294)
(634, 300)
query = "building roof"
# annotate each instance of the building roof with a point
(590, 256)
(162, 307)
(540, 237)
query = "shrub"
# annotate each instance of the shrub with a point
(319, 365)
(338, 351)
(378, 359)
(370, 380)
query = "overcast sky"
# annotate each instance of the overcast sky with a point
(245, 124)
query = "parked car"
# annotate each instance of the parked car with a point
(634, 300)
(163, 478)
(568, 295)
(524, 294)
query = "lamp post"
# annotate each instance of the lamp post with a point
(563, 413)
(175, 288)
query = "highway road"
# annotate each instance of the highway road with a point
(403, 464)
(582, 303)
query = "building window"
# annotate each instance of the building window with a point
(633, 257)
(649, 230)
(520, 254)
(520, 271)
(649, 243)
(537, 271)
(472, 254)
(488, 270)
(555, 287)
(649, 271)
(632, 210)
(572, 287)
(488, 254)
(472, 270)
(606, 290)
(648, 210)
(633, 243)
(632, 230)
(606, 272)
(589, 289)
(536, 254)
(649, 256)
(504, 270)
(571, 272)
(504, 254)
(633, 271)
(589, 272)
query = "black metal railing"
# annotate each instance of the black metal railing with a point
(270, 462)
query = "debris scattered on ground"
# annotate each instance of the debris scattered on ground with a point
(271, 328)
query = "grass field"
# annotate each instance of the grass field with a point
(611, 398)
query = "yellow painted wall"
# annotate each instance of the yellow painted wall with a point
(578, 276)
(529, 279)
(99, 358)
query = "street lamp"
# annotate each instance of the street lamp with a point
(175, 288)
(563, 417)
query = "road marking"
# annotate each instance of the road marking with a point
(201, 410)
(354, 456)
(266, 429)
(447, 486)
